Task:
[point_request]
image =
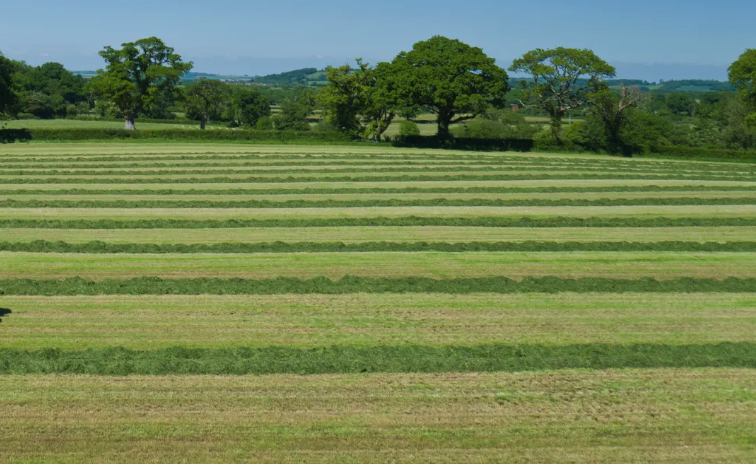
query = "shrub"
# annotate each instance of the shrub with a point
(408, 129)
(265, 123)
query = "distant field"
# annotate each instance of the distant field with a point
(223, 303)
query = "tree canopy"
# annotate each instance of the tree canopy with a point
(139, 75)
(742, 75)
(454, 80)
(206, 99)
(7, 95)
(562, 79)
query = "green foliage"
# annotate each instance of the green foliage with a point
(555, 86)
(139, 76)
(8, 96)
(366, 359)
(345, 96)
(265, 123)
(206, 99)
(408, 129)
(742, 74)
(681, 104)
(40, 246)
(294, 115)
(247, 107)
(497, 124)
(454, 80)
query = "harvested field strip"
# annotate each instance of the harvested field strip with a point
(378, 215)
(377, 203)
(396, 265)
(301, 192)
(149, 322)
(352, 284)
(483, 176)
(251, 168)
(349, 359)
(673, 415)
(407, 234)
(378, 197)
(281, 225)
(43, 246)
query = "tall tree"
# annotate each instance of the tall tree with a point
(613, 110)
(454, 80)
(8, 96)
(205, 99)
(248, 106)
(345, 96)
(562, 80)
(742, 75)
(139, 75)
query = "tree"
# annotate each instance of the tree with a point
(742, 75)
(139, 75)
(612, 111)
(451, 78)
(681, 104)
(562, 80)
(345, 96)
(8, 96)
(248, 106)
(205, 99)
(295, 113)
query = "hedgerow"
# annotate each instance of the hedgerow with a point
(352, 360)
(41, 246)
(409, 221)
(352, 284)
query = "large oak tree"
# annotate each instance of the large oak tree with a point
(454, 80)
(742, 75)
(139, 75)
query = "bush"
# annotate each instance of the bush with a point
(265, 123)
(409, 129)
(460, 143)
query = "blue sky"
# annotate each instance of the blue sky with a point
(656, 39)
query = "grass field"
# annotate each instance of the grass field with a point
(418, 348)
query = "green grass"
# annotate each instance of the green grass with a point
(629, 415)
(365, 345)
(437, 265)
(306, 321)
(388, 234)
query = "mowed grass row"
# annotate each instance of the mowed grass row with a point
(435, 265)
(407, 234)
(456, 212)
(657, 415)
(307, 321)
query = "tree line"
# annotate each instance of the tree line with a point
(469, 94)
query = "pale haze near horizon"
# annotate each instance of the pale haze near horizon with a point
(645, 40)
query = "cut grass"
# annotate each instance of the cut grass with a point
(387, 234)
(694, 211)
(638, 415)
(150, 322)
(437, 265)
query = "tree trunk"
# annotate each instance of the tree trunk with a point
(556, 128)
(444, 121)
(130, 124)
(202, 123)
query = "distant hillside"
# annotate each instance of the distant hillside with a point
(298, 76)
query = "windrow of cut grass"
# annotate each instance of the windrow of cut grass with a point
(43, 246)
(306, 321)
(528, 222)
(535, 191)
(356, 360)
(407, 234)
(379, 203)
(128, 178)
(354, 284)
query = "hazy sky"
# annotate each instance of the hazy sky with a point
(229, 36)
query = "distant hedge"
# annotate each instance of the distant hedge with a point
(25, 135)
(420, 141)
(706, 153)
